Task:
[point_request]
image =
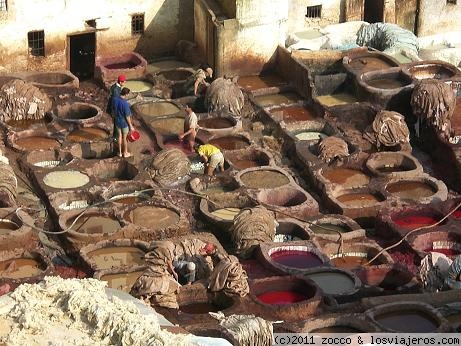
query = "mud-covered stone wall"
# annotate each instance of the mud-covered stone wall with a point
(165, 22)
(436, 16)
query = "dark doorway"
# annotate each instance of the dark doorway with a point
(373, 11)
(82, 54)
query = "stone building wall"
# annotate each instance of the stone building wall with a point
(331, 13)
(438, 16)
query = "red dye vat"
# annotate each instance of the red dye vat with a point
(281, 297)
(296, 259)
(457, 214)
(446, 251)
(415, 221)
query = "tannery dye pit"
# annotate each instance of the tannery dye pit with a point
(117, 257)
(264, 179)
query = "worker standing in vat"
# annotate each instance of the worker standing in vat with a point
(197, 83)
(114, 92)
(211, 156)
(190, 128)
(122, 121)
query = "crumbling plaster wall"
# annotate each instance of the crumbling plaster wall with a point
(436, 16)
(331, 14)
(166, 21)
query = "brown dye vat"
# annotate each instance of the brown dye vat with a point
(154, 217)
(158, 109)
(434, 71)
(37, 143)
(25, 124)
(411, 190)
(366, 64)
(7, 226)
(386, 278)
(19, 268)
(407, 321)
(294, 113)
(336, 329)
(357, 200)
(117, 256)
(121, 281)
(94, 224)
(168, 126)
(346, 177)
(216, 123)
(244, 164)
(330, 228)
(277, 99)
(264, 179)
(121, 65)
(87, 134)
(349, 262)
(260, 82)
(199, 308)
(387, 83)
(175, 75)
(130, 200)
(392, 169)
(230, 143)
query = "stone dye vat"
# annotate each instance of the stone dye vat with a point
(26, 124)
(335, 281)
(119, 279)
(78, 112)
(92, 150)
(195, 300)
(151, 110)
(113, 170)
(127, 193)
(70, 179)
(24, 268)
(249, 158)
(30, 140)
(291, 114)
(263, 178)
(71, 200)
(435, 69)
(235, 142)
(220, 124)
(175, 75)
(335, 227)
(285, 98)
(221, 184)
(436, 240)
(288, 297)
(358, 63)
(165, 64)
(88, 134)
(337, 99)
(166, 142)
(138, 85)
(388, 278)
(52, 80)
(290, 230)
(345, 177)
(47, 159)
(168, 126)
(408, 317)
(123, 253)
(359, 203)
(393, 164)
(337, 323)
(93, 223)
(263, 84)
(132, 65)
(153, 217)
(16, 231)
(422, 190)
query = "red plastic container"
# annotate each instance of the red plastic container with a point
(133, 136)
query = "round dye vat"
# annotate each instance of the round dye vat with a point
(281, 297)
(37, 143)
(414, 221)
(157, 109)
(244, 164)
(130, 198)
(386, 278)
(333, 282)
(121, 281)
(260, 82)
(264, 179)
(337, 99)
(20, 268)
(407, 321)
(294, 113)
(337, 329)
(154, 217)
(94, 224)
(199, 308)
(87, 134)
(349, 262)
(357, 200)
(178, 144)
(230, 143)
(310, 135)
(387, 83)
(296, 259)
(457, 214)
(226, 213)
(137, 86)
(169, 126)
(346, 177)
(369, 63)
(7, 226)
(216, 123)
(120, 256)
(26, 124)
(329, 228)
(414, 190)
(66, 179)
(277, 99)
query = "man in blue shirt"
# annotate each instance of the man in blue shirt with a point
(122, 122)
(114, 92)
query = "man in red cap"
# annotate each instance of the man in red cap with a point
(114, 93)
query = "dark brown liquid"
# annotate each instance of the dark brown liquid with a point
(199, 308)
(37, 143)
(411, 190)
(94, 224)
(407, 322)
(121, 281)
(264, 179)
(129, 200)
(336, 329)
(19, 268)
(349, 262)
(387, 83)
(154, 217)
(216, 123)
(26, 123)
(294, 113)
(365, 64)
(243, 164)
(357, 200)
(260, 82)
(347, 177)
(230, 143)
(117, 256)
(7, 226)
(87, 134)
(121, 65)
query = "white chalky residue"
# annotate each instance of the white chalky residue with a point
(78, 312)
(66, 179)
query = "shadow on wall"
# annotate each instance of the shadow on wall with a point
(160, 35)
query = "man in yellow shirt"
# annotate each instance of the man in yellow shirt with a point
(212, 157)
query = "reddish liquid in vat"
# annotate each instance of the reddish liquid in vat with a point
(349, 262)
(243, 164)
(294, 113)
(260, 82)
(216, 123)
(445, 251)
(296, 259)
(281, 297)
(415, 221)
(37, 143)
(457, 214)
(365, 64)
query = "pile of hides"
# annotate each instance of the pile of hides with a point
(223, 95)
(189, 52)
(156, 285)
(20, 100)
(251, 227)
(229, 276)
(169, 166)
(388, 129)
(8, 183)
(332, 148)
(389, 38)
(247, 329)
(433, 102)
(433, 271)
